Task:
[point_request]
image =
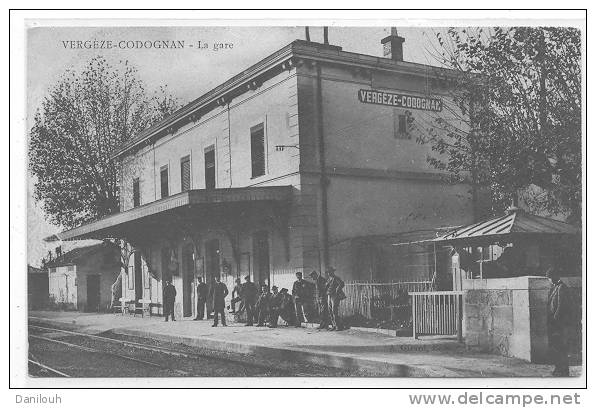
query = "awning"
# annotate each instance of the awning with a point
(108, 226)
(514, 224)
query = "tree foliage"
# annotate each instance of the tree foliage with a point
(517, 93)
(86, 115)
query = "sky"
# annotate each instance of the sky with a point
(188, 72)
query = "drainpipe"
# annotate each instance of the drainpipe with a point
(324, 231)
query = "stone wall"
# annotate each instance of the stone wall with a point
(507, 316)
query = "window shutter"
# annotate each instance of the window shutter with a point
(164, 182)
(257, 150)
(136, 193)
(185, 174)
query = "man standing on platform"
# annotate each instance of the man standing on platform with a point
(202, 292)
(249, 293)
(219, 291)
(335, 294)
(321, 297)
(559, 317)
(301, 291)
(169, 298)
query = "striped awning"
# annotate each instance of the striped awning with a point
(513, 223)
(106, 226)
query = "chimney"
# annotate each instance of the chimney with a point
(393, 46)
(58, 251)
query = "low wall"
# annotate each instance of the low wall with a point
(507, 316)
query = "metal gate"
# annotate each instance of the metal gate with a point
(437, 313)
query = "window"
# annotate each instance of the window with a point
(210, 167)
(257, 150)
(136, 193)
(163, 173)
(185, 173)
(400, 126)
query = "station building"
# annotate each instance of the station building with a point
(288, 166)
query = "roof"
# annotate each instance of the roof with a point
(516, 222)
(187, 199)
(279, 60)
(36, 271)
(73, 256)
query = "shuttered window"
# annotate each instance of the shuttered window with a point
(257, 150)
(400, 126)
(185, 173)
(163, 174)
(210, 167)
(136, 193)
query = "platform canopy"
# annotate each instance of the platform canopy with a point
(180, 209)
(513, 225)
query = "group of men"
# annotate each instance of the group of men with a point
(266, 306)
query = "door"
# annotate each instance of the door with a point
(187, 279)
(212, 266)
(93, 293)
(261, 257)
(138, 272)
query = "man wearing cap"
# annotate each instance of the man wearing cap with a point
(301, 290)
(263, 305)
(286, 308)
(559, 317)
(274, 307)
(202, 292)
(219, 291)
(169, 298)
(248, 293)
(321, 296)
(335, 294)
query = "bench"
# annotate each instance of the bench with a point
(142, 307)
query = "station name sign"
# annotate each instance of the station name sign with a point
(399, 100)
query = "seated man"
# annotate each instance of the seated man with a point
(274, 307)
(237, 297)
(262, 305)
(286, 308)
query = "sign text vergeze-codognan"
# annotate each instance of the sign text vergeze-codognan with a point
(399, 100)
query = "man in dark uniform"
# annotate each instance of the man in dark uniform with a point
(237, 296)
(263, 305)
(335, 294)
(321, 296)
(559, 316)
(274, 307)
(169, 298)
(286, 308)
(301, 291)
(219, 291)
(202, 292)
(249, 297)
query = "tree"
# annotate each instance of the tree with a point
(517, 95)
(85, 117)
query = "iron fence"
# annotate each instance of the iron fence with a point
(380, 300)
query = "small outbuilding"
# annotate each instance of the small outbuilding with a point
(81, 279)
(37, 287)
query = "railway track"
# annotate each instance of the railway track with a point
(198, 357)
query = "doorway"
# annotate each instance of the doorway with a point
(212, 267)
(261, 264)
(93, 293)
(187, 279)
(138, 271)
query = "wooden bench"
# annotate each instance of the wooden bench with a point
(142, 307)
(122, 306)
(159, 308)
